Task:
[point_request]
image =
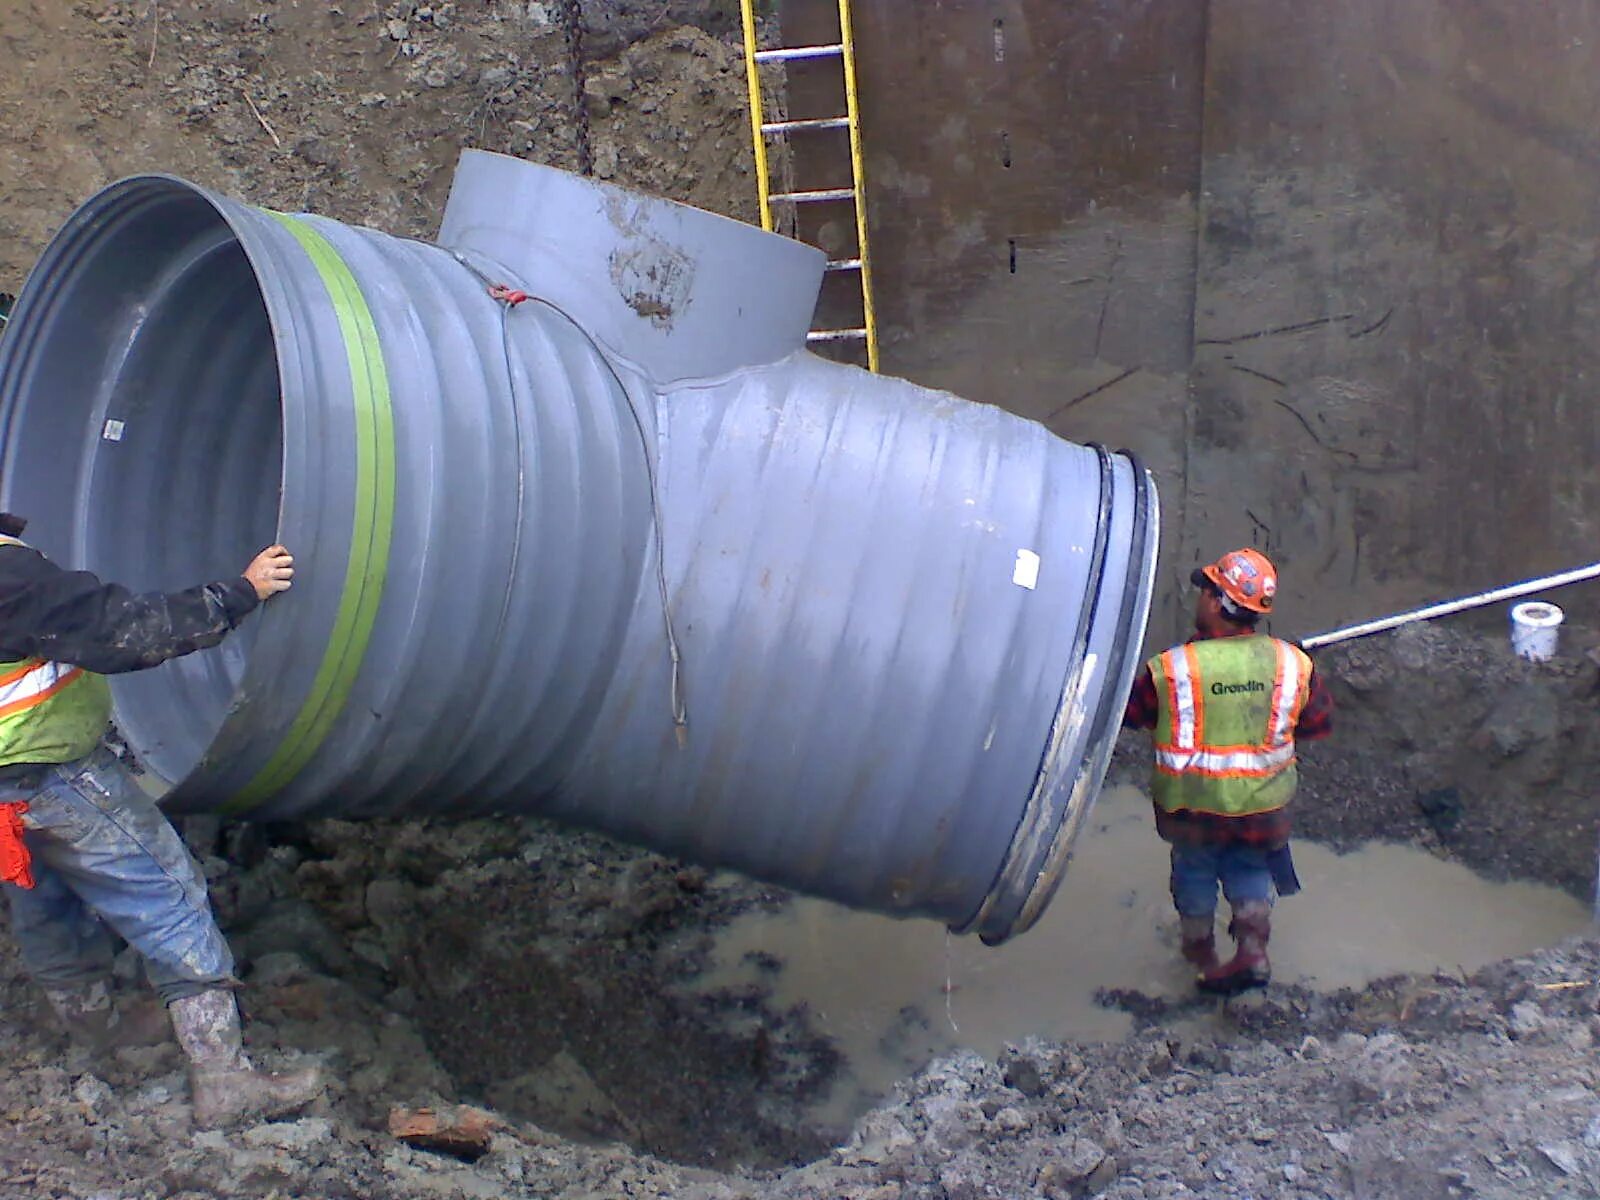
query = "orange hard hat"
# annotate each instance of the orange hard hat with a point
(1246, 577)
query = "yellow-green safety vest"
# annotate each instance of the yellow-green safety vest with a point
(1224, 740)
(50, 712)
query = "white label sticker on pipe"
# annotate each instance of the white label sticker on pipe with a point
(1027, 571)
(113, 431)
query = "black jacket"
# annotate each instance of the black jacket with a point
(72, 617)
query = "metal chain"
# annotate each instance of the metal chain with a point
(572, 21)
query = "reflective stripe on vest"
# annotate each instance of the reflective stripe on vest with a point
(1187, 754)
(31, 683)
(50, 712)
(1225, 733)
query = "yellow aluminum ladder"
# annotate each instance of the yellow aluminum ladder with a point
(761, 129)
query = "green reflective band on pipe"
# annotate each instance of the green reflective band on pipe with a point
(370, 532)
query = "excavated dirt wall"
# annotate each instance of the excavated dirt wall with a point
(1328, 268)
(541, 975)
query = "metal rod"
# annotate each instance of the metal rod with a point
(796, 53)
(809, 123)
(1509, 592)
(813, 197)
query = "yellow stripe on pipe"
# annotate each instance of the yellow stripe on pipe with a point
(370, 533)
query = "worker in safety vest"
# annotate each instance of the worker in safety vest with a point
(85, 852)
(1227, 708)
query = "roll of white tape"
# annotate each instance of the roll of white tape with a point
(1535, 628)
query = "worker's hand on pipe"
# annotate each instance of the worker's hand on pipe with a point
(271, 572)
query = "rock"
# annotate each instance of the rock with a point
(1591, 1134)
(1159, 1062)
(1010, 1121)
(316, 151)
(290, 1135)
(1081, 1158)
(1208, 1056)
(1442, 808)
(1523, 715)
(277, 968)
(294, 927)
(388, 903)
(94, 1096)
(1021, 1071)
(596, 99)
(1415, 646)
(462, 1131)
(1341, 1141)
(953, 1123)
(494, 78)
(1102, 1177)
(1526, 1019)
(1563, 1156)
(960, 1182)
(878, 1138)
(1081, 1169)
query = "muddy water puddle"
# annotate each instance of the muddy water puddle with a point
(894, 994)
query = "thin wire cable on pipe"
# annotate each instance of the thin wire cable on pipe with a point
(499, 292)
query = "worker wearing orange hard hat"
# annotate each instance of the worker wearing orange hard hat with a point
(1227, 708)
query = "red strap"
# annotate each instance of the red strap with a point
(510, 296)
(15, 861)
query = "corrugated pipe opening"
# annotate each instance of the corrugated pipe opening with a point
(158, 455)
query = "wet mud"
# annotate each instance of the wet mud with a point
(577, 990)
(893, 995)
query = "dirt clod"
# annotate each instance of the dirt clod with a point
(503, 1005)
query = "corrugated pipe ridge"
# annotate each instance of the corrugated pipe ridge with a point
(611, 548)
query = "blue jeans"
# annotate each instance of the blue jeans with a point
(105, 858)
(1196, 871)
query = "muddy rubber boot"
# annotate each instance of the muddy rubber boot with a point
(1199, 941)
(1248, 968)
(93, 1022)
(227, 1089)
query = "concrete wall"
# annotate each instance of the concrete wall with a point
(1330, 269)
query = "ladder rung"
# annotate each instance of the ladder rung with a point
(816, 123)
(835, 335)
(814, 197)
(797, 52)
(844, 264)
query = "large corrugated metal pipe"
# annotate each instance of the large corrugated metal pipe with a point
(606, 545)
